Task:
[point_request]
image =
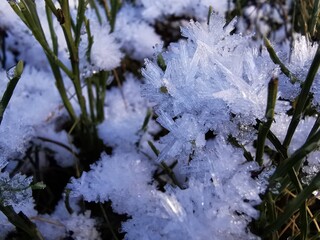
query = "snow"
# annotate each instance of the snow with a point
(136, 36)
(61, 224)
(124, 114)
(104, 44)
(34, 98)
(197, 8)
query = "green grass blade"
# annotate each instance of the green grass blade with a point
(314, 17)
(21, 222)
(10, 88)
(296, 157)
(115, 7)
(146, 120)
(91, 99)
(80, 20)
(300, 107)
(209, 14)
(90, 39)
(52, 7)
(315, 128)
(276, 60)
(52, 31)
(153, 148)
(161, 63)
(295, 204)
(94, 6)
(102, 90)
(265, 127)
(74, 57)
(18, 11)
(304, 221)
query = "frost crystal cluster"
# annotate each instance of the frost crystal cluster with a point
(212, 82)
(199, 91)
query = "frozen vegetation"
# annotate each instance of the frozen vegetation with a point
(183, 130)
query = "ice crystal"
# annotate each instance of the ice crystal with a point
(129, 176)
(201, 211)
(11, 72)
(194, 213)
(214, 79)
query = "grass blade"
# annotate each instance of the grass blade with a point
(295, 204)
(302, 98)
(276, 60)
(10, 88)
(265, 127)
(296, 157)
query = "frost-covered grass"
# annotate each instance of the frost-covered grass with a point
(156, 120)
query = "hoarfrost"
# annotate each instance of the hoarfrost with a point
(130, 176)
(199, 91)
(200, 73)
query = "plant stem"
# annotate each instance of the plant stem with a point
(294, 205)
(21, 222)
(74, 56)
(265, 127)
(10, 88)
(108, 221)
(26, 10)
(276, 60)
(300, 106)
(297, 156)
(314, 17)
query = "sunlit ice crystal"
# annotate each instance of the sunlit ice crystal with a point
(185, 135)
(210, 69)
